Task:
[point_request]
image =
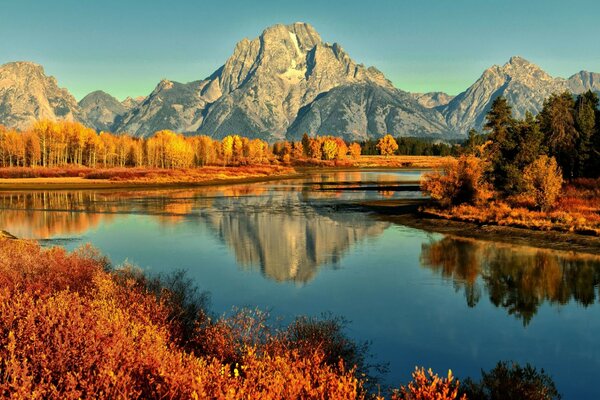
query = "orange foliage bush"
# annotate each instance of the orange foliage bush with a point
(543, 180)
(72, 327)
(432, 387)
(143, 174)
(460, 181)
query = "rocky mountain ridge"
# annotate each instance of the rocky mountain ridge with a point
(284, 83)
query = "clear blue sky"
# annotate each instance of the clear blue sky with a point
(126, 46)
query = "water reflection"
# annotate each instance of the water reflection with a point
(287, 231)
(518, 279)
(288, 239)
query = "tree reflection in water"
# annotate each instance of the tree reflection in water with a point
(517, 278)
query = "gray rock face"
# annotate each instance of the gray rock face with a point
(101, 110)
(131, 102)
(172, 105)
(525, 86)
(27, 95)
(432, 99)
(366, 110)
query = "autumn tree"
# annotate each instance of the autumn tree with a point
(329, 148)
(314, 149)
(460, 181)
(543, 180)
(227, 149)
(355, 150)
(387, 145)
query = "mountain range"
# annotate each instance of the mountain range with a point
(284, 83)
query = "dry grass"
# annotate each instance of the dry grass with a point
(73, 175)
(401, 161)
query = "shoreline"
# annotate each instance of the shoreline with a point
(81, 183)
(20, 184)
(407, 213)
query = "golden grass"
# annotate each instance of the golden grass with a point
(31, 178)
(401, 161)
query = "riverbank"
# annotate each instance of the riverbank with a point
(132, 178)
(407, 212)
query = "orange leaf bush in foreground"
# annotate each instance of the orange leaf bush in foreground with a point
(429, 387)
(70, 329)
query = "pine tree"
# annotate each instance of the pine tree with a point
(557, 122)
(585, 122)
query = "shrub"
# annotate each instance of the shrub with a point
(72, 328)
(543, 181)
(430, 387)
(461, 181)
(511, 382)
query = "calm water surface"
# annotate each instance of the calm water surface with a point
(294, 247)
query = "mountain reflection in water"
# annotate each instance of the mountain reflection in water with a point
(287, 233)
(518, 279)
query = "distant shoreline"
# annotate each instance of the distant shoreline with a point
(41, 184)
(295, 172)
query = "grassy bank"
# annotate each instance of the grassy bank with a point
(577, 210)
(93, 178)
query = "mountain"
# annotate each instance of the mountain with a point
(101, 110)
(583, 81)
(432, 99)
(262, 88)
(280, 85)
(27, 95)
(523, 84)
(362, 111)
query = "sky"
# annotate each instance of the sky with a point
(125, 47)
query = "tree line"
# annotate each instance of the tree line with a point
(62, 143)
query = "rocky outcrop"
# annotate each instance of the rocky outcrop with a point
(27, 95)
(101, 110)
(432, 99)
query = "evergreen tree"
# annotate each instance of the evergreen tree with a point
(585, 121)
(557, 122)
(500, 126)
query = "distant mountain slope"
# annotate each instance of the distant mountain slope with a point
(432, 99)
(362, 111)
(584, 81)
(525, 86)
(27, 95)
(101, 110)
